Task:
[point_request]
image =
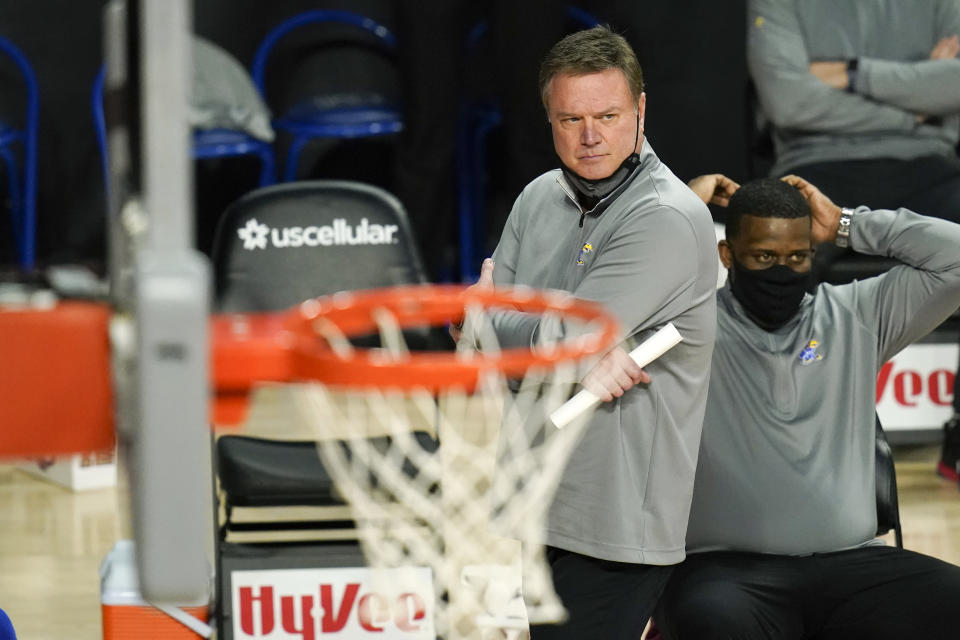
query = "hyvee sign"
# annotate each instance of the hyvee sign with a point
(305, 604)
(915, 388)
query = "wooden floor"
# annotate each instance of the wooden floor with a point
(52, 542)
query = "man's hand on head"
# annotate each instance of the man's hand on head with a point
(613, 375)
(714, 188)
(824, 213)
(485, 281)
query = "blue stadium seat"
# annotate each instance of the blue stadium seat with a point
(344, 116)
(207, 143)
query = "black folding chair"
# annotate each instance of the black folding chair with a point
(888, 504)
(274, 248)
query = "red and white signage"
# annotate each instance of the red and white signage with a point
(306, 604)
(915, 388)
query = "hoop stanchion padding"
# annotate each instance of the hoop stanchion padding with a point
(55, 389)
(247, 349)
(295, 346)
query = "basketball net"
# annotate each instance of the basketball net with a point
(457, 477)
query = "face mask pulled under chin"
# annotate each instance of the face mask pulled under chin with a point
(603, 187)
(771, 296)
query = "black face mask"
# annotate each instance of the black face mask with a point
(771, 296)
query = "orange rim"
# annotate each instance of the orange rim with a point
(288, 347)
(433, 305)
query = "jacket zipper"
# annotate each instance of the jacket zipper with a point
(573, 198)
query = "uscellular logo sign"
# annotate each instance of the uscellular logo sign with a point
(355, 602)
(256, 235)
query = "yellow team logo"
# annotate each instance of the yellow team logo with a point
(584, 250)
(809, 353)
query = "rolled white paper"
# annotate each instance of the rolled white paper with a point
(651, 349)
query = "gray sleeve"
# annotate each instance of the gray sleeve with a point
(790, 95)
(508, 249)
(930, 87)
(513, 329)
(911, 299)
(645, 276)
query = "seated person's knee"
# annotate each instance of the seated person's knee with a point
(705, 611)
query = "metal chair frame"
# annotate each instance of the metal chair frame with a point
(476, 122)
(22, 190)
(207, 143)
(353, 122)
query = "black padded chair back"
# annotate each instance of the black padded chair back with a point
(888, 504)
(283, 244)
(276, 247)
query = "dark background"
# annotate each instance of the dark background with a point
(692, 54)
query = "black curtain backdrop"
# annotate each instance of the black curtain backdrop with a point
(692, 54)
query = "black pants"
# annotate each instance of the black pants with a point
(873, 593)
(605, 600)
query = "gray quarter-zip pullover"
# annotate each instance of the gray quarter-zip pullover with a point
(787, 456)
(648, 253)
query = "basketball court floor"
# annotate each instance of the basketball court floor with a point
(52, 541)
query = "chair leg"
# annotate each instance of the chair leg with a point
(267, 170)
(293, 157)
(16, 197)
(29, 230)
(490, 121)
(225, 526)
(466, 197)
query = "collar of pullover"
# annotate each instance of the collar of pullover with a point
(594, 196)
